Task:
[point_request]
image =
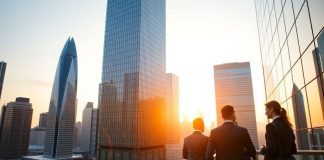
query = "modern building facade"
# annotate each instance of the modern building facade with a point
(62, 108)
(77, 135)
(233, 86)
(3, 66)
(37, 137)
(88, 140)
(291, 40)
(15, 126)
(42, 120)
(132, 91)
(173, 141)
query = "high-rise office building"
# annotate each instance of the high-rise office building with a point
(3, 66)
(37, 136)
(291, 39)
(77, 135)
(132, 91)
(15, 126)
(88, 140)
(62, 108)
(42, 120)
(233, 86)
(173, 142)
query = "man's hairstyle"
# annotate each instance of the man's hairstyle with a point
(198, 124)
(227, 111)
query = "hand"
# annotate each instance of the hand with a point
(261, 147)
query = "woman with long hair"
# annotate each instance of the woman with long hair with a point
(280, 139)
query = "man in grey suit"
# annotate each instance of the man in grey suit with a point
(195, 145)
(229, 141)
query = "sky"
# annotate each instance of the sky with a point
(199, 34)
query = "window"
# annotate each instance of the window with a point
(293, 46)
(304, 30)
(317, 13)
(310, 64)
(298, 75)
(316, 102)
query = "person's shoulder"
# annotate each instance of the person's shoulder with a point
(270, 126)
(242, 129)
(206, 137)
(187, 138)
(213, 131)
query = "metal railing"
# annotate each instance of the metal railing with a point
(302, 154)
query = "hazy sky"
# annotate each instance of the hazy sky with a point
(200, 34)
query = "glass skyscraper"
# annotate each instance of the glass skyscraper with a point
(3, 66)
(132, 91)
(62, 108)
(291, 40)
(233, 86)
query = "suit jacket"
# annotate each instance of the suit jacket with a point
(230, 142)
(280, 141)
(194, 147)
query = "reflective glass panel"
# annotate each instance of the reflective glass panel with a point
(293, 46)
(317, 13)
(310, 64)
(316, 102)
(304, 29)
(298, 75)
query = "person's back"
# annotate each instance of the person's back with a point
(195, 145)
(280, 139)
(229, 141)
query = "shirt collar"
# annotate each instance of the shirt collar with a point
(197, 131)
(228, 121)
(275, 118)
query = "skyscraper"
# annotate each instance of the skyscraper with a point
(89, 130)
(132, 91)
(42, 120)
(62, 108)
(3, 66)
(15, 126)
(173, 142)
(77, 135)
(291, 49)
(233, 86)
(37, 136)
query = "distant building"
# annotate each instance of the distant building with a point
(15, 126)
(233, 86)
(42, 120)
(62, 108)
(173, 142)
(77, 135)
(3, 66)
(88, 140)
(37, 136)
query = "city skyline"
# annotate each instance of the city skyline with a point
(207, 43)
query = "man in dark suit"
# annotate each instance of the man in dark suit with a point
(195, 145)
(229, 141)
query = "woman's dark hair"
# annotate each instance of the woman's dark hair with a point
(279, 111)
